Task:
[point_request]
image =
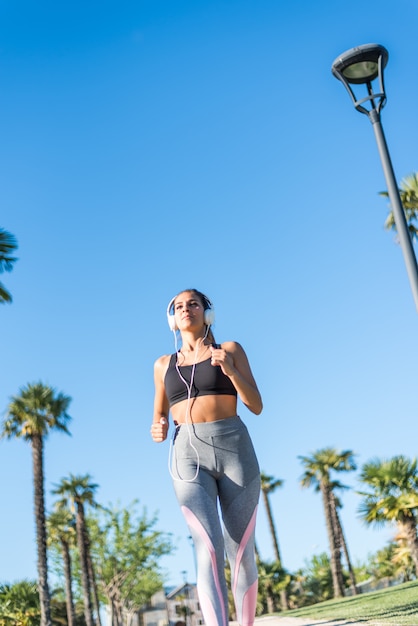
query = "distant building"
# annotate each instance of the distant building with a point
(155, 614)
(183, 606)
(178, 607)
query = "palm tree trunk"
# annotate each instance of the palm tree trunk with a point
(283, 600)
(337, 531)
(85, 578)
(270, 599)
(93, 586)
(409, 526)
(272, 528)
(257, 553)
(344, 546)
(283, 594)
(334, 549)
(68, 583)
(39, 505)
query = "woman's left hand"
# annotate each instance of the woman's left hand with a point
(222, 358)
(234, 364)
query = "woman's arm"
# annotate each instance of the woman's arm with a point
(234, 364)
(159, 426)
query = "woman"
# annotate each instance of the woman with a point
(213, 460)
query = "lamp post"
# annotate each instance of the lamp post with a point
(362, 66)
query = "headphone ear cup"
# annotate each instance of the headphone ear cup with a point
(171, 322)
(209, 316)
(170, 316)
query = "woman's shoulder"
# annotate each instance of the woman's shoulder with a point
(232, 346)
(162, 362)
(236, 350)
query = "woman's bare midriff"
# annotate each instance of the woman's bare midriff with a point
(205, 409)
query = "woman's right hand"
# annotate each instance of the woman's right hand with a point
(159, 430)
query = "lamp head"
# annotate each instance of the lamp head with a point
(360, 65)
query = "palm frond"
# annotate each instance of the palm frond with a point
(8, 244)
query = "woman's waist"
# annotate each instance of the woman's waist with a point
(203, 430)
(204, 409)
(209, 420)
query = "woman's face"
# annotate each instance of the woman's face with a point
(188, 311)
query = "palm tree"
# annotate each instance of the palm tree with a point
(317, 474)
(273, 580)
(31, 415)
(392, 497)
(315, 580)
(408, 191)
(336, 504)
(381, 563)
(61, 530)
(268, 485)
(74, 493)
(19, 603)
(8, 244)
(402, 558)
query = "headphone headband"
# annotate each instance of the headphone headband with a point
(209, 314)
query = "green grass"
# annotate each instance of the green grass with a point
(397, 606)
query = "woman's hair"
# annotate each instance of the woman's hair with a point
(207, 304)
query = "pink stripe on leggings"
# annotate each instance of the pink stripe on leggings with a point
(249, 605)
(249, 601)
(209, 611)
(243, 544)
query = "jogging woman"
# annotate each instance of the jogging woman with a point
(212, 457)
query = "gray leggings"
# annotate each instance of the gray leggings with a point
(228, 475)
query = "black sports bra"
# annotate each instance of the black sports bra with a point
(209, 380)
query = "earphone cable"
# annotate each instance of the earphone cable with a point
(189, 387)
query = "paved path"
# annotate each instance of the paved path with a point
(275, 620)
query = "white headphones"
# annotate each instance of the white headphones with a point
(209, 315)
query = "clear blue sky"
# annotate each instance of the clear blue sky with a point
(151, 146)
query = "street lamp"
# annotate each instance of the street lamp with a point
(361, 66)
